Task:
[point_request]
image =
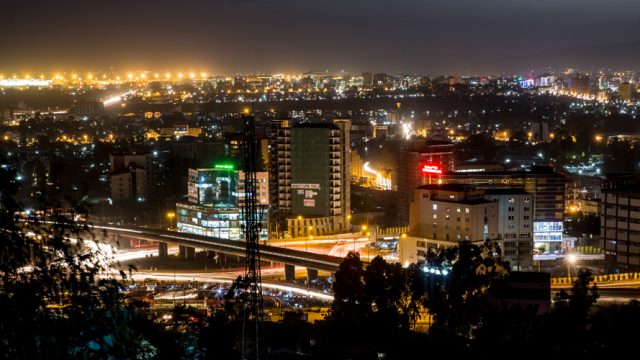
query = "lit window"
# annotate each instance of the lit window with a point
(435, 206)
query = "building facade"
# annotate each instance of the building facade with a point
(620, 222)
(215, 200)
(515, 225)
(310, 177)
(547, 189)
(131, 176)
(445, 215)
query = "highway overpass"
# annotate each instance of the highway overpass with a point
(233, 247)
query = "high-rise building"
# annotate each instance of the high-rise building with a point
(620, 222)
(131, 176)
(310, 168)
(420, 164)
(579, 84)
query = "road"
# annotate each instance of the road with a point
(225, 278)
(267, 252)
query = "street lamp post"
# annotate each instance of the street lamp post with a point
(571, 260)
(306, 249)
(170, 216)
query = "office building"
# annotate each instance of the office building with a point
(444, 215)
(310, 177)
(215, 197)
(620, 222)
(420, 164)
(131, 176)
(515, 225)
(547, 189)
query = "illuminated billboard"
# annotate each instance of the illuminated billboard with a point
(431, 169)
(547, 231)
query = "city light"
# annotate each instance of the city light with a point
(431, 169)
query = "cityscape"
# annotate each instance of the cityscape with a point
(467, 204)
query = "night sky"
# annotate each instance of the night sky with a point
(227, 36)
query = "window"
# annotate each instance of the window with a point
(446, 217)
(466, 210)
(511, 200)
(435, 216)
(435, 206)
(511, 209)
(510, 217)
(526, 217)
(458, 210)
(458, 219)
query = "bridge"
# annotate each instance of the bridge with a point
(189, 242)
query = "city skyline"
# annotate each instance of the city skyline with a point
(282, 36)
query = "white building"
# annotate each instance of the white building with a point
(515, 225)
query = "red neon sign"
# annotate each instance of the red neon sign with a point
(431, 169)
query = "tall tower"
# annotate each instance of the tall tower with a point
(252, 332)
(309, 177)
(345, 167)
(279, 174)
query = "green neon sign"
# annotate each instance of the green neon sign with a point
(224, 166)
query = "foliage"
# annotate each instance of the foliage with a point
(55, 301)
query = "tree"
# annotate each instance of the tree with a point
(55, 302)
(349, 303)
(457, 281)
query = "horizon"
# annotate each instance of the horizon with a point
(280, 36)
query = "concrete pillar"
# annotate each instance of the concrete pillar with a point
(289, 273)
(163, 249)
(312, 274)
(190, 253)
(182, 251)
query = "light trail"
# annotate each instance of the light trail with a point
(381, 182)
(116, 99)
(204, 277)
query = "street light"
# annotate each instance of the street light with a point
(571, 260)
(170, 216)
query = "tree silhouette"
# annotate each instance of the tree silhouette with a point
(55, 301)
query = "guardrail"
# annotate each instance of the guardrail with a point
(598, 279)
